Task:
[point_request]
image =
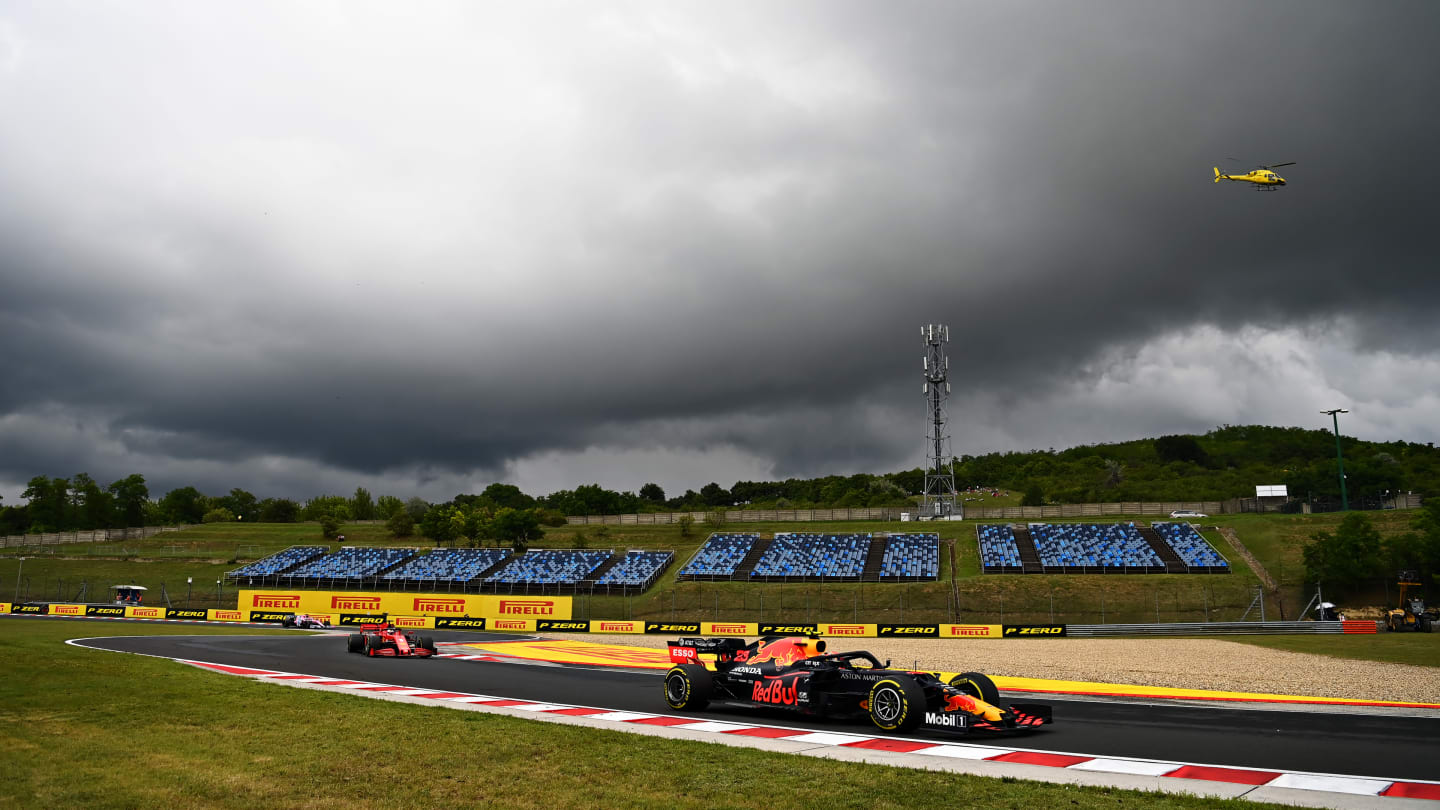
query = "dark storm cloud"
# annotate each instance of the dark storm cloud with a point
(285, 249)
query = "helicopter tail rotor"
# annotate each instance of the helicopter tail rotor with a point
(1217, 174)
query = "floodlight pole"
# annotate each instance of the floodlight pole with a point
(1340, 457)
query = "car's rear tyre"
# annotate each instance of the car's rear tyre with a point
(688, 687)
(977, 685)
(287, 622)
(896, 703)
(356, 643)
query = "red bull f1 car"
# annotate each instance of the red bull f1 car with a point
(385, 639)
(795, 674)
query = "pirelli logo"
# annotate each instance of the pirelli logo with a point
(844, 629)
(229, 616)
(430, 604)
(662, 627)
(276, 601)
(148, 613)
(728, 629)
(614, 627)
(967, 631)
(510, 624)
(408, 621)
(368, 603)
(527, 607)
(67, 610)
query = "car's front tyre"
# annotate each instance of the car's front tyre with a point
(977, 685)
(896, 703)
(688, 687)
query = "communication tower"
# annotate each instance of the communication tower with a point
(939, 501)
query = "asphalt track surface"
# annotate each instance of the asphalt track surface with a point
(1388, 747)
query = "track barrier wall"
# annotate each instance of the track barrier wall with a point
(680, 628)
(360, 603)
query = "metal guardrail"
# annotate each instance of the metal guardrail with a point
(1203, 629)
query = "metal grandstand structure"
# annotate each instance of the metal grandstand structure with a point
(939, 500)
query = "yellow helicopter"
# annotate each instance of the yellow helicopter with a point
(1262, 176)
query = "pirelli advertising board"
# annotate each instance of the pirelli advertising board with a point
(673, 628)
(459, 624)
(145, 613)
(533, 608)
(195, 615)
(729, 629)
(4, 607)
(601, 626)
(969, 631)
(226, 615)
(72, 610)
(32, 608)
(548, 626)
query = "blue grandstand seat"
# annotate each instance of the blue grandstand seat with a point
(549, 567)
(450, 565)
(720, 555)
(911, 556)
(814, 555)
(1193, 549)
(637, 568)
(276, 563)
(997, 546)
(1087, 545)
(352, 562)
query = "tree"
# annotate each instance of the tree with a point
(49, 503)
(652, 493)
(329, 526)
(1034, 496)
(279, 510)
(183, 505)
(1419, 550)
(240, 504)
(437, 525)
(388, 505)
(715, 495)
(517, 526)
(507, 495)
(1347, 558)
(219, 515)
(417, 507)
(361, 506)
(1181, 448)
(401, 524)
(685, 521)
(93, 508)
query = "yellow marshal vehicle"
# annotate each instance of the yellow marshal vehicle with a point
(1412, 613)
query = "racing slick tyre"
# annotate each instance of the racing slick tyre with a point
(373, 643)
(688, 687)
(427, 643)
(896, 703)
(1425, 624)
(976, 685)
(287, 622)
(356, 643)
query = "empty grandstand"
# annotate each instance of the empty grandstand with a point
(813, 556)
(447, 567)
(538, 570)
(1197, 554)
(1073, 548)
(911, 557)
(265, 569)
(350, 565)
(719, 557)
(637, 570)
(999, 553)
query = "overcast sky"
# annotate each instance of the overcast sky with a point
(300, 247)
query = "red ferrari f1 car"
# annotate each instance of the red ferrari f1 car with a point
(388, 640)
(793, 673)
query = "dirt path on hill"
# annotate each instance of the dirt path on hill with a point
(1179, 663)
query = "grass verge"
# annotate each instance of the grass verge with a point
(168, 735)
(1420, 649)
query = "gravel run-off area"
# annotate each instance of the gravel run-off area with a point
(1180, 663)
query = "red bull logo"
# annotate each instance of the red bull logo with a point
(960, 703)
(527, 607)
(774, 691)
(783, 652)
(429, 604)
(278, 601)
(365, 603)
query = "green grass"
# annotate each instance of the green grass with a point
(1420, 649)
(166, 735)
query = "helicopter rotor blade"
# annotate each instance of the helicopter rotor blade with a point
(1278, 165)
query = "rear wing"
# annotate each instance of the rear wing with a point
(687, 650)
(374, 627)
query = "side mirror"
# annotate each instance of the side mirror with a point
(887, 663)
